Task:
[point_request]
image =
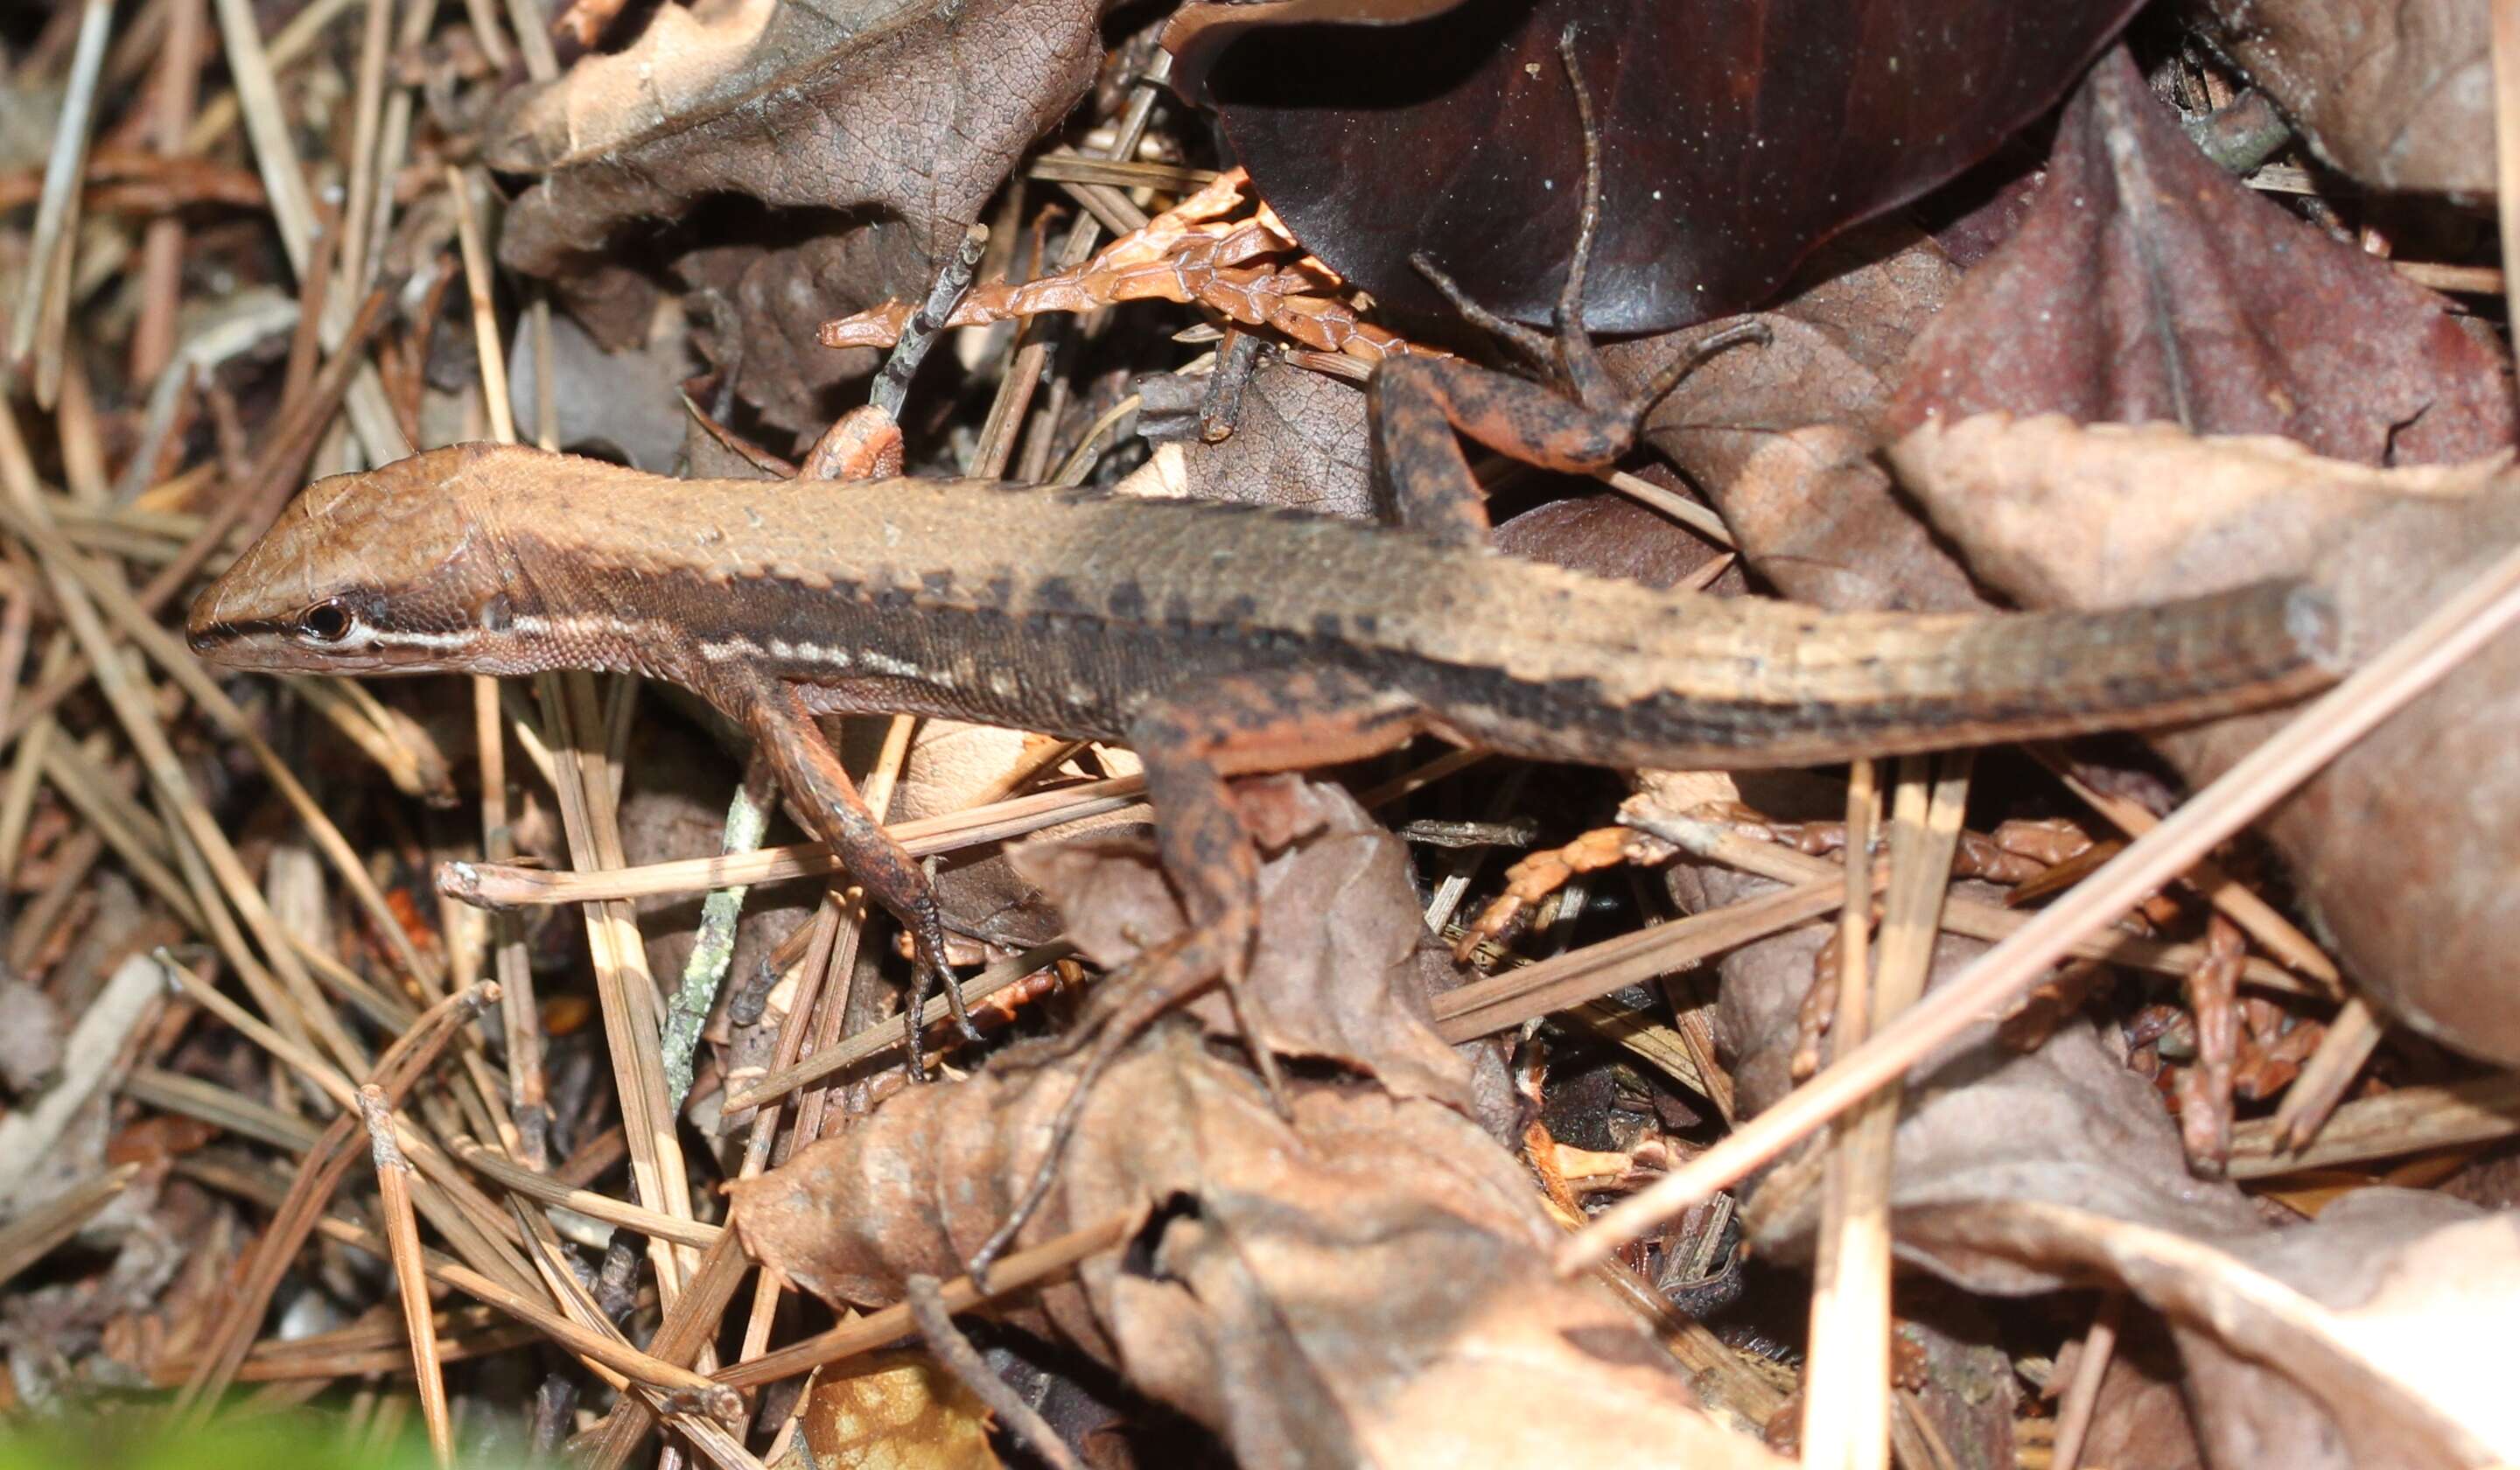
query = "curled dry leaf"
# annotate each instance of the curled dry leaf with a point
(1736, 137)
(2063, 515)
(2397, 93)
(882, 125)
(1368, 1285)
(2147, 284)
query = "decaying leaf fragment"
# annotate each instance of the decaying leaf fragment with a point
(881, 126)
(2403, 847)
(2147, 284)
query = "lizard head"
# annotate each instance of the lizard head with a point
(387, 571)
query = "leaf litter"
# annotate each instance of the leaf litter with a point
(2105, 365)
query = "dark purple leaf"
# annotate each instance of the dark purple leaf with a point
(1736, 136)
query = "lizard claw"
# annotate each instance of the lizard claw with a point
(930, 970)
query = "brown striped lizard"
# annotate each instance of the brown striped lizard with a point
(1215, 640)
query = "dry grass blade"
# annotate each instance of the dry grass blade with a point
(326, 1163)
(1720, 843)
(2312, 1098)
(518, 1179)
(2476, 614)
(285, 989)
(2083, 1395)
(1846, 1420)
(56, 212)
(689, 1327)
(411, 1277)
(1502, 1002)
(2409, 1120)
(1845, 1404)
(881, 1040)
(496, 886)
(2236, 902)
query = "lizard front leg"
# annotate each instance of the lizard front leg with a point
(1191, 741)
(810, 772)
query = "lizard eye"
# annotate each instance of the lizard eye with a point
(327, 622)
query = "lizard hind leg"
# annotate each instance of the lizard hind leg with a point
(1191, 743)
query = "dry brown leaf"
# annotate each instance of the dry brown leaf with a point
(881, 126)
(2397, 93)
(2373, 1336)
(1780, 437)
(1609, 535)
(2405, 845)
(2139, 1417)
(1368, 1286)
(2148, 285)
(1336, 967)
(1300, 442)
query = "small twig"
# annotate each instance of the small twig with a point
(411, 1277)
(892, 384)
(935, 1321)
(2465, 622)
